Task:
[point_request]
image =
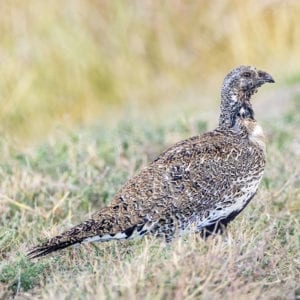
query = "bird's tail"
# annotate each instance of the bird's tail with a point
(103, 227)
(70, 237)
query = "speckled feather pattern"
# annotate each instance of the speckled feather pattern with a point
(197, 185)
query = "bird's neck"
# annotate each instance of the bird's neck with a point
(234, 107)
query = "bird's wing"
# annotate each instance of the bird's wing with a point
(195, 169)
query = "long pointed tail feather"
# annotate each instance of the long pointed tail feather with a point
(47, 248)
(68, 238)
(101, 229)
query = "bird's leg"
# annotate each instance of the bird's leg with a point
(214, 229)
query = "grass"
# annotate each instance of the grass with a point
(55, 185)
(74, 61)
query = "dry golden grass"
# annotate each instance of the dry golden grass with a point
(72, 61)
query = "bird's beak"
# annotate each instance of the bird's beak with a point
(264, 77)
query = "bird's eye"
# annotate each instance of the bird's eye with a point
(260, 74)
(247, 74)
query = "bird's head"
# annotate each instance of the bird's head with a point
(238, 87)
(244, 81)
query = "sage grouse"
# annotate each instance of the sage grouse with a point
(199, 184)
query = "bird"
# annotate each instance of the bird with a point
(198, 185)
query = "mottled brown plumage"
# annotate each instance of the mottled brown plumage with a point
(197, 185)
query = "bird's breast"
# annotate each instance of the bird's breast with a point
(255, 133)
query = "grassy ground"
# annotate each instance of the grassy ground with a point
(59, 183)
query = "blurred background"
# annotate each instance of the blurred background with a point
(71, 63)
